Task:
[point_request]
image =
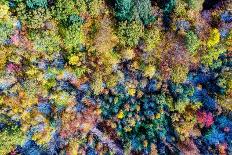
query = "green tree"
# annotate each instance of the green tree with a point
(152, 38)
(6, 29)
(10, 138)
(195, 4)
(134, 10)
(169, 6)
(211, 55)
(192, 42)
(46, 41)
(94, 7)
(124, 10)
(6, 23)
(144, 10)
(36, 19)
(32, 4)
(130, 33)
(63, 9)
(73, 37)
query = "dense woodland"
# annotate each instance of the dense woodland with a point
(115, 77)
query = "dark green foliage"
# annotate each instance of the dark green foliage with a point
(168, 7)
(124, 10)
(11, 134)
(144, 10)
(32, 4)
(134, 10)
(142, 120)
(75, 19)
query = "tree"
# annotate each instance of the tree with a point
(105, 38)
(32, 4)
(192, 42)
(63, 9)
(46, 41)
(214, 38)
(152, 38)
(129, 33)
(195, 4)
(73, 37)
(179, 74)
(212, 55)
(124, 10)
(6, 23)
(168, 7)
(129, 10)
(97, 85)
(37, 18)
(10, 139)
(144, 10)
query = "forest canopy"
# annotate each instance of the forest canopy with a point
(104, 77)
